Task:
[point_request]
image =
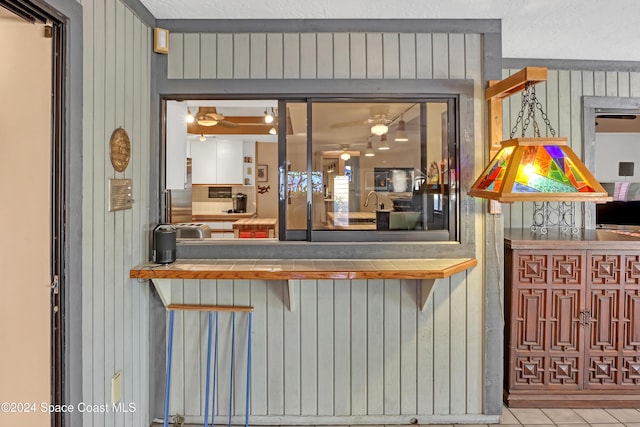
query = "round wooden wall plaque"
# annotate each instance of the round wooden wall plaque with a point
(120, 149)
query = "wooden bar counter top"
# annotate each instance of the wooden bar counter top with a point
(279, 269)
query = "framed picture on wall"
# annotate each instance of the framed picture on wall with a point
(263, 173)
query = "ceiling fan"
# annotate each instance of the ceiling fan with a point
(208, 116)
(378, 120)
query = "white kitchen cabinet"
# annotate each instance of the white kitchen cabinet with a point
(176, 147)
(204, 162)
(216, 162)
(229, 162)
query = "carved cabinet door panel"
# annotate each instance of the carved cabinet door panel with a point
(545, 334)
(612, 320)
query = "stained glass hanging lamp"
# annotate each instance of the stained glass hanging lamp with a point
(536, 169)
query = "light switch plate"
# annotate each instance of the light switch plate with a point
(116, 387)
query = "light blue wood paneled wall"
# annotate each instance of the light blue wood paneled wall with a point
(352, 351)
(324, 56)
(561, 98)
(115, 330)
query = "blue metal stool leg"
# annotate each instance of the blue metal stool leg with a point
(233, 336)
(206, 398)
(246, 409)
(215, 371)
(168, 383)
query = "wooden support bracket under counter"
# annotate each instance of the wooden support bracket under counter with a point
(425, 270)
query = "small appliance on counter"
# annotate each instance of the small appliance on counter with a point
(192, 231)
(164, 244)
(239, 203)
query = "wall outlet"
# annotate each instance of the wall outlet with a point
(116, 387)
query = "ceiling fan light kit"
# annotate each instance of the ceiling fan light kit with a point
(190, 118)
(379, 129)
(268, 118)
(401, 133)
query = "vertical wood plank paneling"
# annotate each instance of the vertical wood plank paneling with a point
(275, 56)
(308, 348)
(241, 56)
(259, 390)
(97, 312)
(224, 61)
(407, 56)
(408, 346)
(191, 68)
(424, 56)
(440, 56)
(325, 347)
(391, 346)
(634, 85)
(308, 56)
(208, 54)
(575, 94)
(192, 338)
(600, 83)
(241, 297)
(88, 203)
(342, 348)
(588, 85)
(175, 60)
(117, 344)
(552, 104)
(324, 60)
(108, 334)
(275, 344)
(564, 105)
(224, 295)
(473, 61)
(375, 347)
(258, 55)
(292, 354)
(425, 346)
(359, 333)
(458, 337)
(441, 351)
(391, 56)
(611, 83)
(341, 56)
(291, 56)
(131, 292)
(177, 397)
(457, 64)
(374, 59)
(475, 338)
(358, 55)
(623, 84)
(207, 289)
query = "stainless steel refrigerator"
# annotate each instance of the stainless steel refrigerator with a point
(178, 202)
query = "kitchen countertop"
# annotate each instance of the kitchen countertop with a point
(223, 216)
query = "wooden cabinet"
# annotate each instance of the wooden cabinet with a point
(572, 335)
(217, 162)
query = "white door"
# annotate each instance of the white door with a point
(25, 219)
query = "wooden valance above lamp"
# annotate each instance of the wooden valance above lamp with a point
(531, 169)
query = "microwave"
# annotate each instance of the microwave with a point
(220, 192)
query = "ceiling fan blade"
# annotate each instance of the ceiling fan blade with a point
(227, 124)
(351, 123)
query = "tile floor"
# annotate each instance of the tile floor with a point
(526, 417)
(517, 417)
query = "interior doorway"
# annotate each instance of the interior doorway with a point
(31, 187)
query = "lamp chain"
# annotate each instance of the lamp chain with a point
(529, 103)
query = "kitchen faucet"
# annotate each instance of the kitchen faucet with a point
(366, 201)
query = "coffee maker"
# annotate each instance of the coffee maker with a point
(240, 203)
